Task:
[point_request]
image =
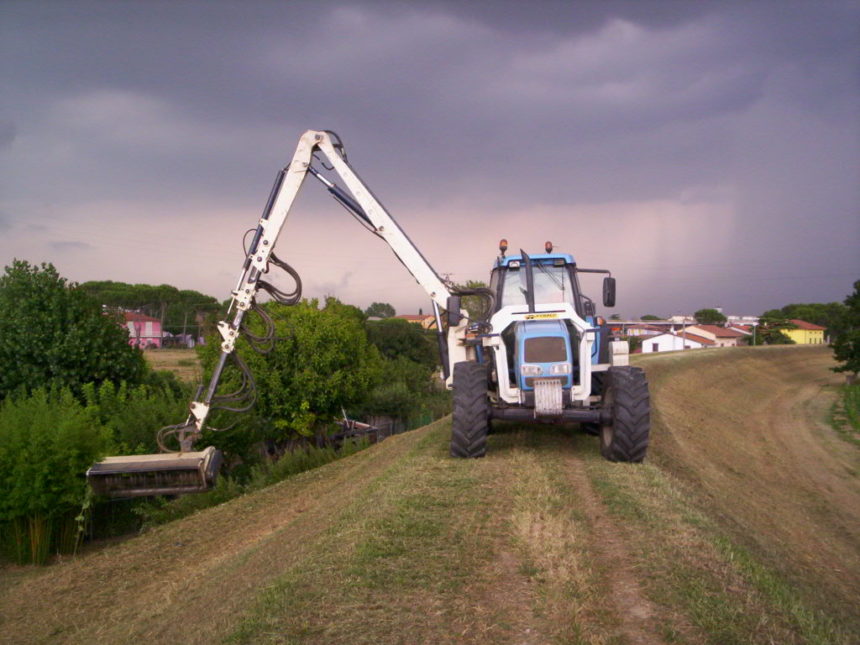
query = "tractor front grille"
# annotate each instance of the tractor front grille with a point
(545, 349)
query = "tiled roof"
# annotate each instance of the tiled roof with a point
(646, 327)
(413, 317)
(721, 332)
(688, 336)
(133, 316)
(802, 324)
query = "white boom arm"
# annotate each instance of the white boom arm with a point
(364, 205)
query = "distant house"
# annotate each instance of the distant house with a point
(806, 333)
(419, 319)
(746, 330)
(643, 330)
(143, 331)
(673, 341)
(722, 336)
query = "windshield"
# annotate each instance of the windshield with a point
(551, 285)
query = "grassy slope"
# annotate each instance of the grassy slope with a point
(745, 517)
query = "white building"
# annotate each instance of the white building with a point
(671, 342)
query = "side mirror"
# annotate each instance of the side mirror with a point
(608, 292)
(453, 310)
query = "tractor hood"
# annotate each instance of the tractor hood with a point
(542, 351)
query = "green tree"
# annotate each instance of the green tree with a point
(650, 317)
(475, 305)
(846, 345)
(51, 332)
(830, 315)
(322, 362)
(380, 310)
(403, 391)
(772, 325)
(178, 310)
(709, 317)
(398, 338)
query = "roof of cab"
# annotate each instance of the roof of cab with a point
(537, 257)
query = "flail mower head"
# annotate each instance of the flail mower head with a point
(150, 475)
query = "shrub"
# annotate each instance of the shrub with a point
(133, 414)
(47, 442)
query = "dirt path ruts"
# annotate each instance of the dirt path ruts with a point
(637, 614)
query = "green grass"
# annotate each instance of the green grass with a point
(845, 414)
(689, 563)
(402, 537)
(161, 510)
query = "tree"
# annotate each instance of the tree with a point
(321, 363)
(771, 328)
(53, 333)
(380, 310)
(178, 310)
(830, 315)
(476, 306)
(709, 317)
(650, 317)
(398, 338)
(846, 345)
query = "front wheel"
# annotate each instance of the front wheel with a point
(626, 398)
(470, 416)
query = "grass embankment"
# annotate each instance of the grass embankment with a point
(542, 541)
(748, 433)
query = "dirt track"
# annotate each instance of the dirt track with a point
(747, 510)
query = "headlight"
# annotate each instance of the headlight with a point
(560, 368)
(531, 370)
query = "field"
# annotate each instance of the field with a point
(743, 526)
(182, 362)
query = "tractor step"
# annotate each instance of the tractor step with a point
(150, 475)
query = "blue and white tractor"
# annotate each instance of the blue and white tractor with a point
(536, 352)
(541, 354)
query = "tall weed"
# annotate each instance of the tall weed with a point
(133, 414)
(47, 442)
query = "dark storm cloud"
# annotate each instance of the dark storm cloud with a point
(500, 106)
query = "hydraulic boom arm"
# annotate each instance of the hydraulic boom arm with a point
(362, 203)
(125, 476)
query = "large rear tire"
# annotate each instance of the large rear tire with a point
(625, 437)
(470, 417)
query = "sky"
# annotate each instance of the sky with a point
(707, 153)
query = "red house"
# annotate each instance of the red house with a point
(143, 331)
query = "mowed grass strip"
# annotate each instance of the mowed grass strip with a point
(442, 550)
(555, 537)
(408, 561)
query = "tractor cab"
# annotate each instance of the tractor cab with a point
(553, 277)
(544, 318)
